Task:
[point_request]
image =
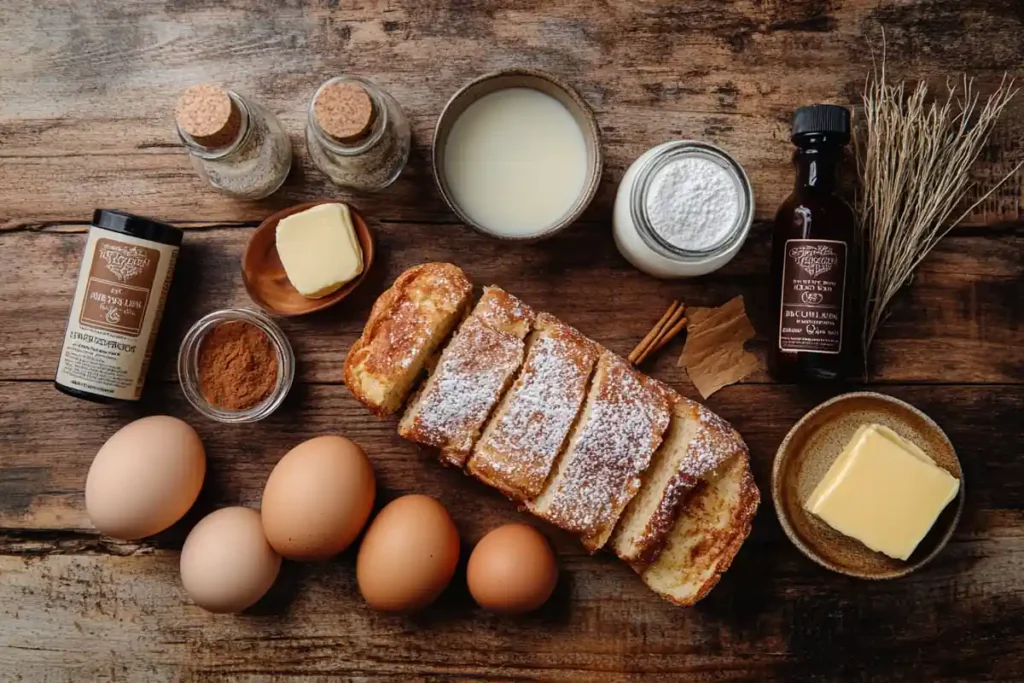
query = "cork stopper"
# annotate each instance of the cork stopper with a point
(344, 111)
(208, 115)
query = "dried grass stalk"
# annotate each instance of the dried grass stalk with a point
(914, 159)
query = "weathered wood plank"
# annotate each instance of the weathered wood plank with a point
(42, 469)
(958, 322)
(86, 95)
(107, 618)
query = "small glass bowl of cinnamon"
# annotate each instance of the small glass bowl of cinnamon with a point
(235, 365)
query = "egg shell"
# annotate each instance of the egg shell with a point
(226, 563)
(145, 477)
(512, 569)
(408, 556)
(318, 498)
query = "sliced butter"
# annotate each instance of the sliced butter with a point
(883, 491)
(319, 249)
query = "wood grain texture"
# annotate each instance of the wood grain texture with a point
(959, 322)
(86, 92)
(106, 604)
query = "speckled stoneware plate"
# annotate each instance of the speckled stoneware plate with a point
(811, 447)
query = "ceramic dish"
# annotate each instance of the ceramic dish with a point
(264, 276)
(811, 447)
(549, 85)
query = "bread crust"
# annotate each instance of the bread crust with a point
(725, 542)
(419, 310)
(713, 442)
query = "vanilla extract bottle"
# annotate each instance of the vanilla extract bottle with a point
(814, 259)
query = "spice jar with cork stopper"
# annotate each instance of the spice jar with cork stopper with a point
(357, 134)
(236, 145)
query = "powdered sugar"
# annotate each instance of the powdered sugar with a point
(693, 203)
(713, 442)
(520, 447)
(626, 417)
(466, 384)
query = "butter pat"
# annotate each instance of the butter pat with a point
(319, 249)
(883, 491)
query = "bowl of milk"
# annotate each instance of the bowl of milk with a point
(517, 154)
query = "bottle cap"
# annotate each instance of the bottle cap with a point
(822, 119)
(137, 226)
(344, 110)
(208, 115)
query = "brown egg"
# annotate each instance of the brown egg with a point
(512, 569)
(226, 563)
(145, 477)
(408, 555)
(318, 498)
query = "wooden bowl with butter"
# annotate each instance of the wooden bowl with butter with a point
(266, 280)
(807, 454)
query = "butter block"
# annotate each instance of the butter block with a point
(883, 491)
(319, 249)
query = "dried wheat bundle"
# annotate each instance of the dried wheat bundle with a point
(914, 159)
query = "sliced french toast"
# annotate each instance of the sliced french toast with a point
(697, 442)
(712, 525)
(531, 425)
(473, 373)
(621, 426)
(407, 324)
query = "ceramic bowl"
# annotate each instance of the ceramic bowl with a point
(811, 447)
(268, 285)
(549, 85)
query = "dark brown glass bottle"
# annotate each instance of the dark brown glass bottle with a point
(814, 259)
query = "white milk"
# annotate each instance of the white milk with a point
(516, 161)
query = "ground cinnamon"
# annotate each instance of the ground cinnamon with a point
(237, 366)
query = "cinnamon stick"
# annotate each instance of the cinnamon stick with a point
(642, 347)
(671, 329)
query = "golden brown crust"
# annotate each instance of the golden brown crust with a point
(748, 508)
(711, 442)
(707, 547)
(406, 325)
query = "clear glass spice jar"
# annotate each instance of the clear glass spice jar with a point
(189, 370)
(236, 145)
(357, 134)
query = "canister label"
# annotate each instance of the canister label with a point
(119, 300)
(813, 285)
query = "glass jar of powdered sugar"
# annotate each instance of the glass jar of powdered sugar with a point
(683, 209)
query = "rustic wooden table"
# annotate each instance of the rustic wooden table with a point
(86, 92)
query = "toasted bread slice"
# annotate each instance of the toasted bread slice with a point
(531, 425)
(697, 443)
(621, 426)
(407, 324)
(711, 527)
(474, 371)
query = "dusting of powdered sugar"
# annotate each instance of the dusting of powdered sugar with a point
(693, 203)
(539, 412)
(465, 386)
(714, 442)
(610, 450)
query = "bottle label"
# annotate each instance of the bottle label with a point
(119, 299)
(813, 284)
